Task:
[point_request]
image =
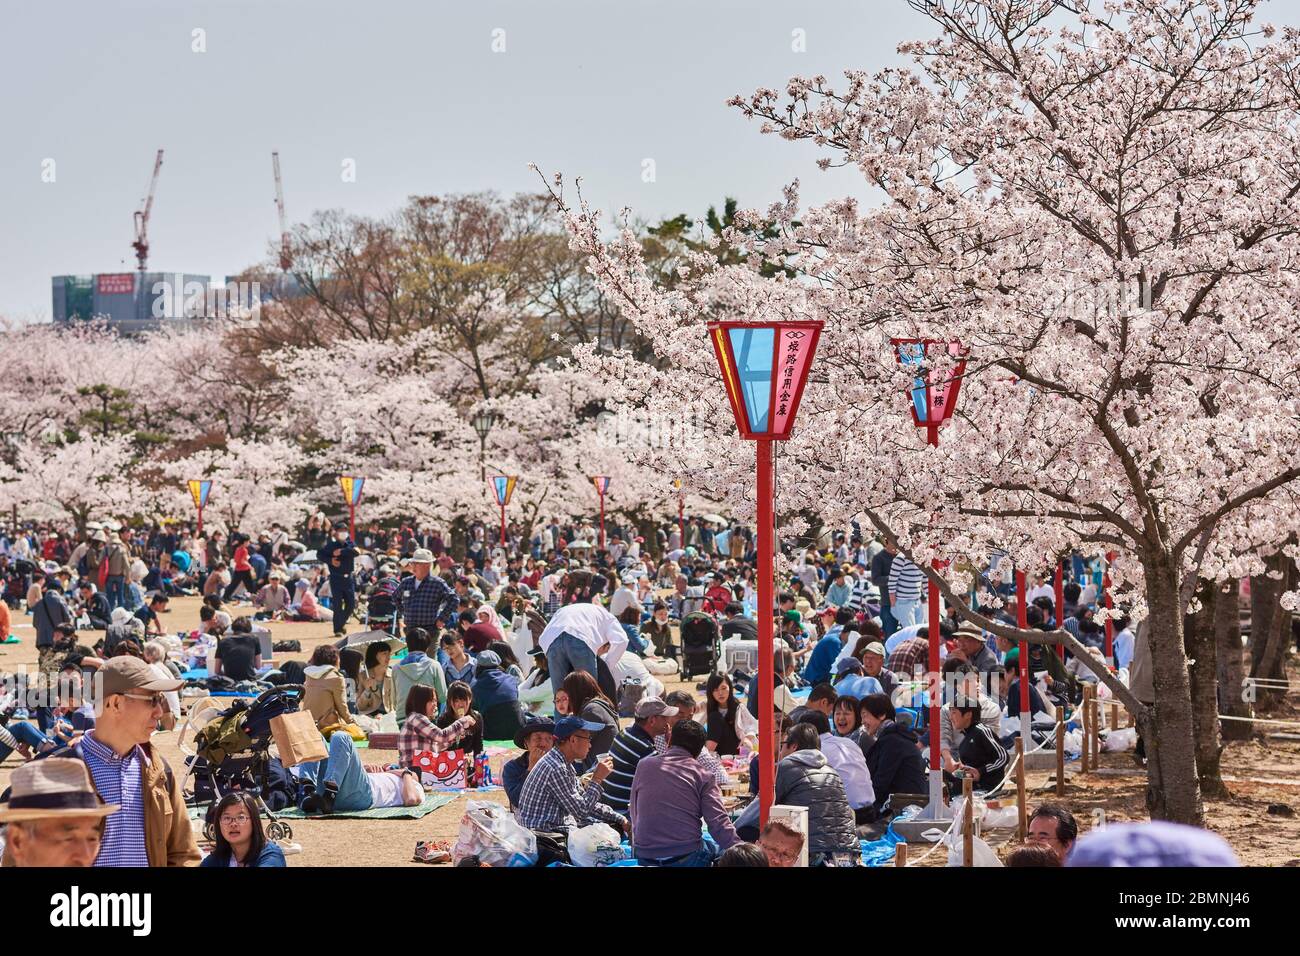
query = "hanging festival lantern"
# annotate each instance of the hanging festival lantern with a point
(503, 486)
(764, 368)
(200, 488)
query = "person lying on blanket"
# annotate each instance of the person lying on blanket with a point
(343, 784)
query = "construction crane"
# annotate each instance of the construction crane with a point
(286, 260)
(141, 244)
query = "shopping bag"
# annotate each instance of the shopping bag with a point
(446, 770)
(297, 738)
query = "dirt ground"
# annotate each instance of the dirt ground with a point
(1258, 772)
(324, 842)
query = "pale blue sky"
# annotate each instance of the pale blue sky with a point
(411, 91)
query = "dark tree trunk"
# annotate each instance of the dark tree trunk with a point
(1173, 791)
(1268, 641)
(1232, 663)
(459, 539)
(1203, 673)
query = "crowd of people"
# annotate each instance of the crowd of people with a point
(565, 650)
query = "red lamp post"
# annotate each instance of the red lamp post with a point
(352, 486)
(602, 486)
(933, 401)
(764, 368)
(503, 486)
(681, 511)
(1060, 603)
(199, 491)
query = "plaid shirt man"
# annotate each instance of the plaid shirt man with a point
(913, 651)
(420, 733)
(552, 799)
(426, 603)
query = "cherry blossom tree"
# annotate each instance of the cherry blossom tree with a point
(75, 481)
(254, 483)
(1101, 205)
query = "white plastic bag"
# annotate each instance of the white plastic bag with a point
(981, 852)
(388, 723)
(490, 832)
(1119, 741)
(595, 845)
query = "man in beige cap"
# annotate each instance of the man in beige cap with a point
(873, 665)
(152, 827)
(54, 816)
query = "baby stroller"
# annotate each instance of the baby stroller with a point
(701, 644)
(381, 612)
(231, 751)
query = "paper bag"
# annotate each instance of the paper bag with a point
(297, 738)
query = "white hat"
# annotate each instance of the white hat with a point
(422, 556)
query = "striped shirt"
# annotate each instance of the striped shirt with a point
(906, 581)
(626, 752)
(553, 800)
(419, 733)
(119, 780)
(858, 599)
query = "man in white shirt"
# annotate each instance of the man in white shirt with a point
(577, 634)
(846, 758)
(624, 597)
(1040, 589)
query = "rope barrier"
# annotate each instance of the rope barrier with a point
(1261, 720)
(1008, 775)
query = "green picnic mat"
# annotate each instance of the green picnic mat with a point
(12, 639)
(432, 801)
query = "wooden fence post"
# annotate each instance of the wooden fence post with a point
(1060, 757)
(967, 823)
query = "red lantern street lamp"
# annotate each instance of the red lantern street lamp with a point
(933, 402)
(199, 491)
(352, 486)
(503, 486)
(681, 512)
(602, 486)
(764, 369)
(1060, 603)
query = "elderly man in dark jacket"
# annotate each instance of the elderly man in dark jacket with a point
(804, 778)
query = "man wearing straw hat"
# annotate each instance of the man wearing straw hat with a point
(54, 816)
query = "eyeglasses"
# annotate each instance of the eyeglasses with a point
(241, 819)
(155, 700)
(581, 736)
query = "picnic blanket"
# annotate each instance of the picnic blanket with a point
(432, 801)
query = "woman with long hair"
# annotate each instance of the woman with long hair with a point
(586, 700)
(460, 703)
(240, 838)
(373, 697)
(722, 710)
(420, 732)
